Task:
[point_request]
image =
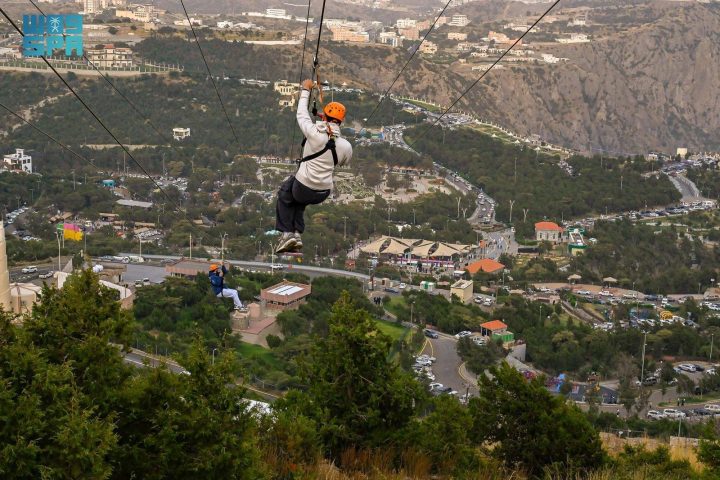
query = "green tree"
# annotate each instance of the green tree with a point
(530, 427)
(356, 394)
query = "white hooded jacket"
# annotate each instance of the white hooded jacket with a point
(318, 172)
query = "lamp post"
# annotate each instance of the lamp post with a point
(213, 355)
(57, 234)
(712, 338)
(642, 368)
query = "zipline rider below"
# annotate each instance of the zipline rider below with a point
(324, 149)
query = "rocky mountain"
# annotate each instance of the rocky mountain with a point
(655, 86)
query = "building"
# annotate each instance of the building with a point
(285, 295)
(139, 13)
(681, 151)
(486, 265)
(276, 13)
(463, 289)
(110, 56)
(135, 204)
(548, 232)
(497, 330)
(390, 38)
(498, 37)
(345, 34)
(428, 48)
(92, 7)
(575, 38)
(459, 20)
(457, 36)
(410, 33)
(180, 133)
(188, 268)
(287, 101)
(284, 88)
(18, 161)
(405, 23)
(579, 20)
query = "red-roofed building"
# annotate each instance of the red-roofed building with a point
(486, 265)
(548, 232)
(493, 326)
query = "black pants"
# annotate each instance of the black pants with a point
(292, 199)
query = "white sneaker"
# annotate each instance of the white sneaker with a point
(298, 241)
(287, 242)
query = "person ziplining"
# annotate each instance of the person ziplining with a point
(217, 281)
(323, 150)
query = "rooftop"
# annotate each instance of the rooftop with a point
(486, 265)
(548, 226)
(134, 203)
(494, 325)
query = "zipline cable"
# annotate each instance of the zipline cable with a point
(316, 58)
(102, 124)
(38, 129)
(384, 95)
(122, 95)
(485, 72)
(302, 69)
(212, 79)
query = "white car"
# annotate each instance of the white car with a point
(655, 415)
(462, 334)
(277, 266)
(605, 293)
(713, 407)
(402, 286)
(436, 386)
(47, 275)
(687, 367)
(584, 292)
(30, 269)
(673, 413)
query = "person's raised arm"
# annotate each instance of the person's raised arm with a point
(305, 122)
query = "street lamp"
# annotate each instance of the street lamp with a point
(642, 368)
(213, 355)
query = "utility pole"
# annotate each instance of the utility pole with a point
(345, 227)
(191, 246)
(140, 247)
(413, 216)
(621, 183)
(515, 174)
(512, 202)
(712, 338)
(222, 247)
(642, 368)
(57, 234)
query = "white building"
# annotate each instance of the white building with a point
(110, 56)
(18, 161)
(459, 20)
(390, 38)
(285, 88)
(277, 13)
(550, 58)
(457, 36)
(405, 23)
(575, 38)
(91, 7)
(180, 133)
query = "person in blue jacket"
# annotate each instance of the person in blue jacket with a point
(217, 280)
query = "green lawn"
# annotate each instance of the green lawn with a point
(393, 330)
(395, 305)
(248, 350)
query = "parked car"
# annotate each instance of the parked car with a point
(673, 413)
(713, 407)
(651, 380)
(392, 290)
(462, 334)
(699, 368)
(687, 367)
(430, 333)
(655, 415)
(402, 286)
(30, 269)
(46, 275)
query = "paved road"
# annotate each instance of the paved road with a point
(502, 241)
(688, 190)
(447, 366)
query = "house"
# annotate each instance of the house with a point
(110, 56)
(428, 48)
(459, 20)
(188, 268)
(284, 88)
(497, 330)
(463, 289)
(180, 133)
(18, 161)
(548, 232)
(486, 265)
(285, 295)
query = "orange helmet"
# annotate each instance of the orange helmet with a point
(335, 110)
(213, 267)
